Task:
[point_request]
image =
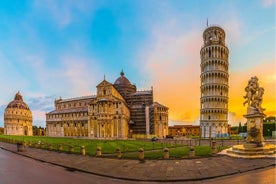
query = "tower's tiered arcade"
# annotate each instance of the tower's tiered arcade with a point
(214, 83)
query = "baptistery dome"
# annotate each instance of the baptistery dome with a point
(18, 102)
(18, 117)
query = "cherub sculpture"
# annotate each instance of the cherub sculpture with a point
(254, 94)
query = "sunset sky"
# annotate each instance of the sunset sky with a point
(64, 48)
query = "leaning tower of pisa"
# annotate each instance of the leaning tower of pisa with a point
(214, 83)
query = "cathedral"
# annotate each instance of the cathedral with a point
(117, 111)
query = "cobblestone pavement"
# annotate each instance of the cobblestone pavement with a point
(150, 170)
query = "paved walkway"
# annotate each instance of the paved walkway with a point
(150, 170)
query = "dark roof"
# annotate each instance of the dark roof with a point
(146, 92)
(184, 126)
(122, 80)
(18, 102)
(77, 98)
(159, 105)
(72, 110)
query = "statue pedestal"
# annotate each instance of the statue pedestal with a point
(254, 146)
(254, 128)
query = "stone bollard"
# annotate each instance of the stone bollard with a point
(214, 149)
(25, 144)
(36, 145)
(192, 152)
(71, 149)
(119, 153)
(30, 144)
(141, 155)
(166, 153)
(42, 145)
(50, 147)
(99, 152)
(20, 147)
(60, 147)
(82, 150)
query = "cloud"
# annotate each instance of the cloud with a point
(39, 106)
(2, 110)
(41, 103)
(234, 120)
(268, 3)
(39, 118)
(63, 13)
(233, 28)
(9, 79)
(70, 75)
(80, 75)
(171, 61)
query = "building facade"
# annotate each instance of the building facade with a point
(18, 117)
(184, 130)
(214, 83)
(117, 111)
(70, 117)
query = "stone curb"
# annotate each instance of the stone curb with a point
(137, 179)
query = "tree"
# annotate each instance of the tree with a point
(240, 127)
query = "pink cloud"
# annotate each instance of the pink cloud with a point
(267, 3)
(173, 63)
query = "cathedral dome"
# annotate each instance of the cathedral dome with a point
(18, 102)
(122, 80)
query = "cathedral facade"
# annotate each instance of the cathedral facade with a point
(117, 111)
(18, 118)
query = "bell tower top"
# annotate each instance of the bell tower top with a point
(213, 35)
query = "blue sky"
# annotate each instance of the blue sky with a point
(64, 48)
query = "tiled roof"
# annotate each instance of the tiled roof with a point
(147, 92)
(158, 104)
(78, 98)
(63, 111)
(185, 126)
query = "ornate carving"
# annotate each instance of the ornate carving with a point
(254, 95)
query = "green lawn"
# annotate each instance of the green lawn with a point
(129, 148)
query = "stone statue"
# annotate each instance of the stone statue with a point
(254, 95)
(255, 115)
